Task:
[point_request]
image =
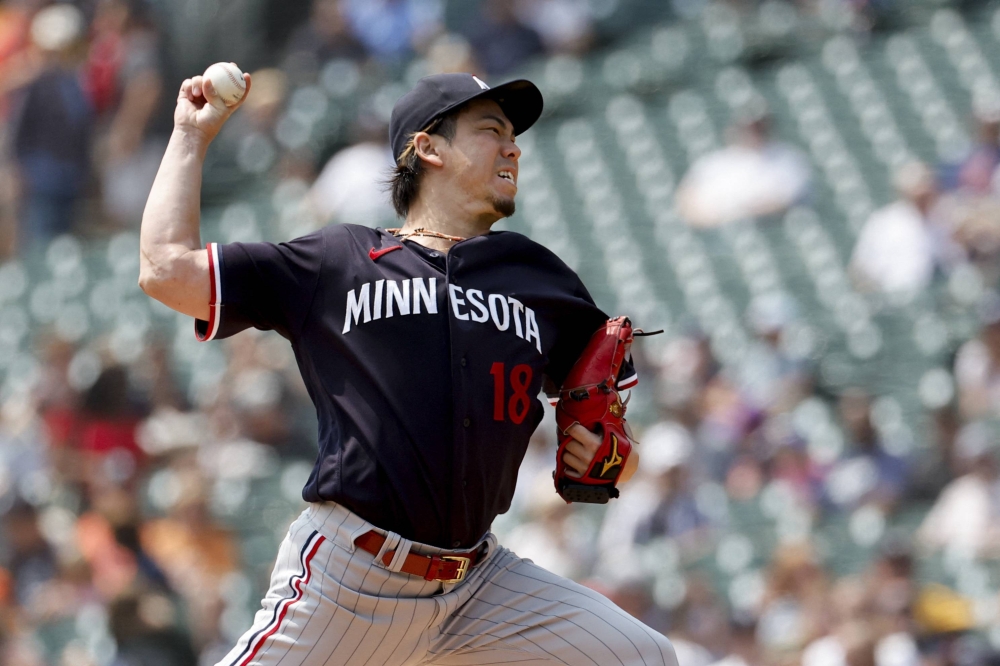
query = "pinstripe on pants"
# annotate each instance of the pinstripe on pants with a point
(330, 605)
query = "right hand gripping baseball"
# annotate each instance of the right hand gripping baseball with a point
(200, 110)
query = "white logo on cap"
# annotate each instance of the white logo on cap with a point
(480, 82)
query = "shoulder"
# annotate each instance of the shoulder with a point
(337, 230)
(520, 247)
(338, 234)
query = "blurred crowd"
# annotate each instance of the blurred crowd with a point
(945, 216)
(139, 513)
(86, 88)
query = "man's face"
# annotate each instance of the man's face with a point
(481, 159)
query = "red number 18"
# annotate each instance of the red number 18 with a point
(520, 401)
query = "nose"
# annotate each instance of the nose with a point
(512, 151)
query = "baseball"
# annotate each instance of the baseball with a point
(228, 81)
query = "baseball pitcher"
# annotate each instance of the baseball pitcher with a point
(424, 349)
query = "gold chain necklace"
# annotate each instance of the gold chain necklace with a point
(420, 231)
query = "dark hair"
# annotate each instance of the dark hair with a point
(405, 181)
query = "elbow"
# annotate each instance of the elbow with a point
(152, 282)
(154, 271)
(147, 282)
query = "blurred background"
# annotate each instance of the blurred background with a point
(803, 193)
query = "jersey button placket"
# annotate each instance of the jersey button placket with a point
(460, 509)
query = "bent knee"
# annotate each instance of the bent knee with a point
(654, 648)
(667, 650)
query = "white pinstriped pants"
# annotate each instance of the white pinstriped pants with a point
(330, 604)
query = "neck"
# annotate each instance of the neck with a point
(454, 220)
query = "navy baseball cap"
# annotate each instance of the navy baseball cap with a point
(520, 100)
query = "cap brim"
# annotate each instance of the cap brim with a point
(520, 100)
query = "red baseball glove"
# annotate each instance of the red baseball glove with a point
(589, 397)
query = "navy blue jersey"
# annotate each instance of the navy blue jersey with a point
(424, 366)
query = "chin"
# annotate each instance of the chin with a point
(503, 205)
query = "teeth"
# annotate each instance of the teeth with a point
(507, 175)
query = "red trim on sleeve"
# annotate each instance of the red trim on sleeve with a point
(212, 326)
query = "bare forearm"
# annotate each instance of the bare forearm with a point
(172, 218)
(172, 266)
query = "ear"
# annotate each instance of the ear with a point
(426, 148)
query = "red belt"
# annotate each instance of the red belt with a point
(445, 568)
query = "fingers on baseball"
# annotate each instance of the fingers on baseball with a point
(192, 91)
(246, 77)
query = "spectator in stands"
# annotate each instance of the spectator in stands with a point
(971, 204)
(684, 367)
(500, 39)
(28, 556)
(629, 523)
(109, 415)
(770, 377)
(974, 173)
(890, 584)
(966, 515)
(393, 29)
(795, 602)
(565, 26)
(194, 551)
(52, 133)
(741, 645)
(852, 643)
(550, 537)
(726, 422)
(146, 629)
(19, 64)
(325, 36)
(698, 623)
(755, 175)
(675, 513)
(977, 365)
(791, 466)
(126, 85)
(350, 189)
(451, 53)
(868, 474)
(901, 245)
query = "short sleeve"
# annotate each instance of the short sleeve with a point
(268, 286)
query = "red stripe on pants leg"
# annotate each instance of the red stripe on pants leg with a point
(298, 586)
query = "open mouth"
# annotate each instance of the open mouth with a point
(507, 175)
